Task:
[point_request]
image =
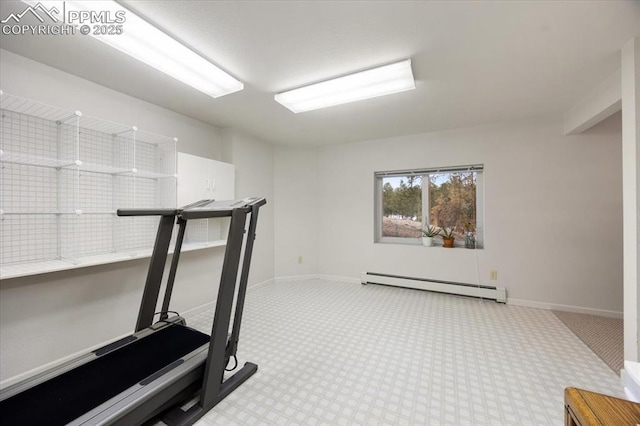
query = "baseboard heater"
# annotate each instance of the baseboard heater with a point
(499, 294)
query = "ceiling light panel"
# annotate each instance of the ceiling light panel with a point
(380, 81)
(148, 44)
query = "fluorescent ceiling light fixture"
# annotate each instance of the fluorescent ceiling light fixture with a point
(148, 44)
(371, 83)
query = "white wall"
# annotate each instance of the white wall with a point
(47, 317)
(253, 161)
(29, 79)
(630, 68)
(553, 211)
(296, 211)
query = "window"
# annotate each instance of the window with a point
(448, 197)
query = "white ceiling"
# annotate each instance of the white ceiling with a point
(474, 62)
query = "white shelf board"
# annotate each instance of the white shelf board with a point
(203, 245)
(108, 170)
(14, 158)
(35, 268)
(152, 175)
(102, 169)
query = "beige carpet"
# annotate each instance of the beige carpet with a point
(603, 335)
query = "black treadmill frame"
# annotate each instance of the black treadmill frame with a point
(222, 346)
(193, 373)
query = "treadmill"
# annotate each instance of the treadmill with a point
(163, 364)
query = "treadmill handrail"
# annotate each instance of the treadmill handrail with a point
(232, 347)
(220, 208)
(200, 209)
(147, 212)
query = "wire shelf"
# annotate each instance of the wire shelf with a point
(63, 177)
(15, 158)
(32, 268)
(31, 108)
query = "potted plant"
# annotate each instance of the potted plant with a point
(447, 237)
(427, 235)
(469, 239)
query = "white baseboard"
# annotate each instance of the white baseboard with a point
(210, 305)
(564, 308)
(198, 310)
(296, 278)
(316, 277)
(341, 279)
(510, 301)
(19, 377)
(261, 283)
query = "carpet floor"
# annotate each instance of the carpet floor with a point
(603, 335)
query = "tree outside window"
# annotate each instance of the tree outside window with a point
(445, 199)
(452, 202)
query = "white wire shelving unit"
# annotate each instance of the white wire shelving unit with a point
(64, 175)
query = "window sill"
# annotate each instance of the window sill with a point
(35, 268)
(456, 247)
(418, 243)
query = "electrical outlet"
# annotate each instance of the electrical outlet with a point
(299, 259)
(493, 275)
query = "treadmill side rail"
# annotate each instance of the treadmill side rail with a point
(140, 402)
(154, 275)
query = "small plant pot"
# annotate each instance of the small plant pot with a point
(427, 241)
(448, 242)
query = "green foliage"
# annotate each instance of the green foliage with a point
(448, 232)
(453, 200)
(404, 201)
(388, 200)
(430, 231)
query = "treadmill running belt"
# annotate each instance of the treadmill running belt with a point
(68, 396)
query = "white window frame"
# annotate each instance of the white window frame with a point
(378, 213)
